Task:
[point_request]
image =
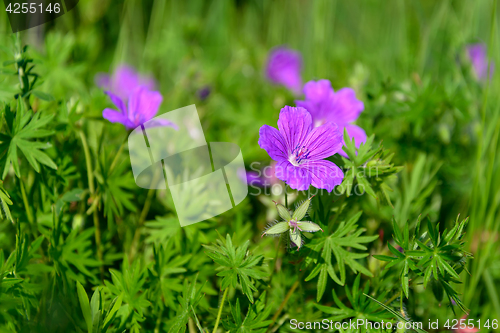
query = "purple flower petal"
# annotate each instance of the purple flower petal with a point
(271, 140)
(158, 122)
(355, 132)
(294, 124)
(283, 67)
(347, 106)
(319, 99)
(117, 101)
(143, 105)
(478, 56)
(324, 174)
(323, 141)
(296, 147)
(297, 178)
(123, 81)
(325, 105)
(103, 81)
(114, 116)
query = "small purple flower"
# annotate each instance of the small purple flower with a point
(341, 107)
(123, 81)
(260, 178)
(300, 150)
(204, 92)
(479, 58)
(283, 67)
(140, 106)
(251, 178)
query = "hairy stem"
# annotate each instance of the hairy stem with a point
(221, 305)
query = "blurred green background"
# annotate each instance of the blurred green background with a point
(405, 59)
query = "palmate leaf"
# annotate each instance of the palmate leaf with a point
(22, 129)
(370, 167)
(191, 296)
(360, 307)
(437, 258)
(347, 235)
(129, 282)
(254, 321)
(236, 265)
(115, 188)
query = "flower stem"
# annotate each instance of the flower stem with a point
(221, 305)
(90, 176)
(117, 156)
(282, 305)
(143, 216)
(26, 203)
(142, 219)
(286, 197)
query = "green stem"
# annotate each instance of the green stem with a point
(221, 305)
(142, 219)
(286, 197)
(274, 266)
(90, 176)
(282, 305)
(26, 203)
(117, 156)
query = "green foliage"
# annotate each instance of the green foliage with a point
(369, 166)
(254, 321)
(236, 265)
(21, 127)
(190, 298)
(361, 306)
(431, 255)
(84, 249)
(346, 235)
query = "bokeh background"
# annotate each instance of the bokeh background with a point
(406, 60)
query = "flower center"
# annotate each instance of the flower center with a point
(298, 155)
(294, 224)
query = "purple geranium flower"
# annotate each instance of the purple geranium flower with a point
(140, 106)
(261, 178)
(123, 81)
(479, 58)
(341, 107)
(284, 67)
(300, 150)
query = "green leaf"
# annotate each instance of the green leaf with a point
(283, 212)
(398, 315)
(301, 211)
(114, 306)
(21, 130)
(308, 226)
(84, 305)
(42, 95)
(234, 269)
(383, 258)
(277, 229)
(296, 238)
(321, 282)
